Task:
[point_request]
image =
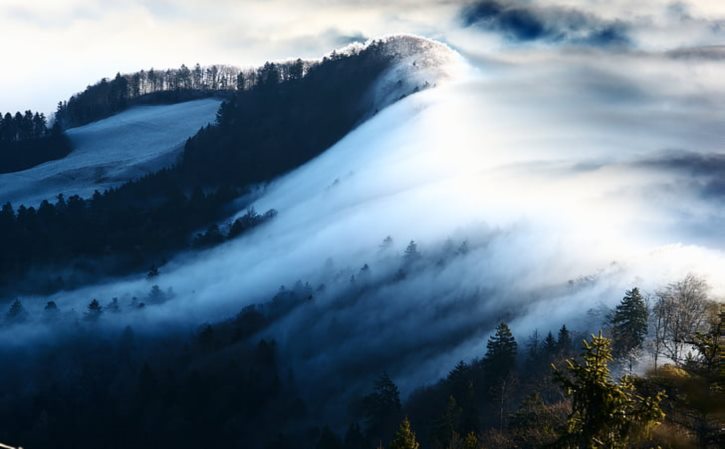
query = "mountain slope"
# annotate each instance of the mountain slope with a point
(111, 151)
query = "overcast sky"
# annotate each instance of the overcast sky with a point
(53, 48)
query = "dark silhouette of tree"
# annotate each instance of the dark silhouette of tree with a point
(16, 313)
(411, 254)
(94, 310)
(382, 408)
(563, 342)
(328, 440)
(153, 272)
(26, 141)
(499, 364)
(354, 438)
(501, 350)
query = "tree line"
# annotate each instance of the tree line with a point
(72, 241)
(209, 387)
(26, 141)
(109, 96)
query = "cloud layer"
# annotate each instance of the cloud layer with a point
(58, 47)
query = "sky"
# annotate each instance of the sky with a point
(57, 47)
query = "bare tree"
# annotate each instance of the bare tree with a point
(678, 313)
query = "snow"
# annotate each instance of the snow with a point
(111, 151)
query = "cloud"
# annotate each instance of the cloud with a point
(549, 165)
(523, 22)
(710, 52)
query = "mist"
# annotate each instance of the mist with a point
(538, 182)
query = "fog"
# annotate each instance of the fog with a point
(539, 183)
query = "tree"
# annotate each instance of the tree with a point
(382, 407)
(500, 357)
(328, 440)
(296, 70)
(16, 313)
(153, 272)
(563, 342)
(51, 311)
(604, 414)
(354, 438)
(534, 424)
(499, 364)
(679, 313)
(411, 254)
(94, 310)
(629, 326)
(405, 437)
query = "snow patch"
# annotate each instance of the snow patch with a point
(112, 151)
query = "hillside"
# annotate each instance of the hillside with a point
(391, 231)
(110, 152)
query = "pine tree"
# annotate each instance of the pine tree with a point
(354, 438)
(94, 310)
(16, 313)
(629, 325)
(405, 437)
(550, 345)
(604, 414)
(500, 358)
(411, 254)
(499, 364)
(382, 408)
(564, 343)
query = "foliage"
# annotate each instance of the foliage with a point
(629, 325)
(382, 408)
(26, 141)
(405, 437)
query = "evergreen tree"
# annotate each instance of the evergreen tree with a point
(328, 440)
(16, 313)
(604, 414)
(629, 325)
(500, 358)
(550, 345)
(354, 438)
(499, 364)
(94, 310)
(411, 254)
(382, 407)
(563, 342)
(405, 437)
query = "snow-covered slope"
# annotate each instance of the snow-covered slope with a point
(111, 151)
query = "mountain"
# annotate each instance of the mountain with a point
(417, 200)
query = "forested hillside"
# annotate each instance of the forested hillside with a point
(108, 97)
(26, 141)
(281, 116)
(225, 385)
